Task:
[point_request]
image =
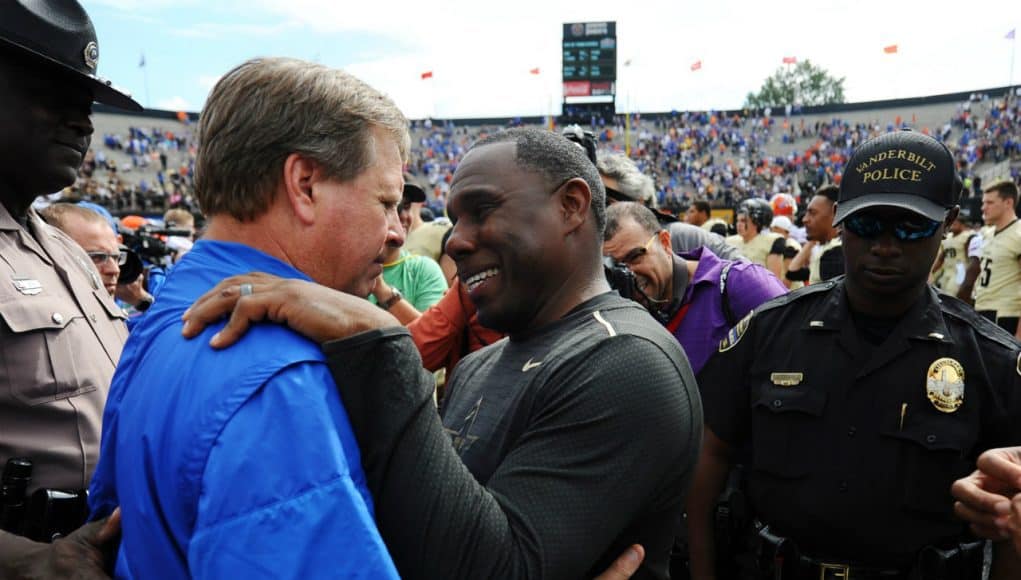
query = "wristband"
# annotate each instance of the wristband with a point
(393, 299)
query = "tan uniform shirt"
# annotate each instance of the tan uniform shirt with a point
(814, 268)
(426, 240)
(708, 224)
(757, 250)
(955, 261)
(61, 335)
(999, 282)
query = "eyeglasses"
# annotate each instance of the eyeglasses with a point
(905, 229)
(635, 255)
(100, 258)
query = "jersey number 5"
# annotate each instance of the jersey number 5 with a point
(986, 272)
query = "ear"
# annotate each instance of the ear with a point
(299, 175)
(664, 240)
(575, 199)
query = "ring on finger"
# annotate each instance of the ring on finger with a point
(247, 289)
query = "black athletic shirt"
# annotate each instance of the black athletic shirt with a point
(569, 445)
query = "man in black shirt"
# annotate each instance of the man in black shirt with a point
(861, 399)
(559, 446)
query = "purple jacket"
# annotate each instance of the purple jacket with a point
(705, 324)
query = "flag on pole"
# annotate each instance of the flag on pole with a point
(533, 71)
(790, 59)
(427, 75)
(141, 62)
(1010, 35)
(892, 49)
(696, 65)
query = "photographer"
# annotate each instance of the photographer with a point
(696, 295)
(91, 231)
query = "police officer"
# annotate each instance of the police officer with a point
(60, 331)
(859, 400)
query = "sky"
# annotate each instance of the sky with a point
(481, 52)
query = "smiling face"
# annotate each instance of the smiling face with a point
(507, 239)
(647, 255)
(884, 271)
(46, 131)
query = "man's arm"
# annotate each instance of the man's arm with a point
(282, 492)
(774, 260)
(714, 464)
(80, 555)
(797, 270)
(574, 480)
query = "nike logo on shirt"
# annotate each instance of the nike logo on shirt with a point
(530, 365)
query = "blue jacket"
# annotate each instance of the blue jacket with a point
(238, 462)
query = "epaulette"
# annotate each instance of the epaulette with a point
(735, 334)
(984, 328)
(794, 295)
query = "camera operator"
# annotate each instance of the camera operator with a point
(92, 232)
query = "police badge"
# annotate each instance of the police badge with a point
(945, 385)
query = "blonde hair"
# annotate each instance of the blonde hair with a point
(268, 108)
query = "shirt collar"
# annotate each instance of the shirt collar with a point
(923, 321)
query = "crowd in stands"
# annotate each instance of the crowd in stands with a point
(717, 157)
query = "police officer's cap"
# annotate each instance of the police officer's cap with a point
(59, 33)
(903, 169)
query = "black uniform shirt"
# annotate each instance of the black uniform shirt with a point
(849, 456)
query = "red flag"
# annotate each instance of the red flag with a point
(534, 71)
(697, 65)
(892, 49)
(427, 75)
(790, 59)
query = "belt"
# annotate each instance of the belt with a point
(780, 559)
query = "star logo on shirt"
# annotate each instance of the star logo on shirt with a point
(460, 438)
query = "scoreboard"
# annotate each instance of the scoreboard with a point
(590, 59)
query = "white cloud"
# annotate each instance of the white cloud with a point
(217, 30)
(174, 103)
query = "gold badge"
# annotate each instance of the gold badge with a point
(734, 334)
(91, 55)
(945, 385)
(786, 379)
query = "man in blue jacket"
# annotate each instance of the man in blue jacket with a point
(242, 462)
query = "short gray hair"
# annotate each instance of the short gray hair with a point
(632, 182)
(268, 108)
(618, 212)
(57, 215)
(555, 158)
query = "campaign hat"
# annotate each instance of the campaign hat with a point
(59, 34)
(903, 169)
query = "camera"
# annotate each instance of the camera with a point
(621, 279)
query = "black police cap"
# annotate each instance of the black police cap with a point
(904, 169)
(59, 33)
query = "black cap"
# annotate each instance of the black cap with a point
(59, 33)
(412, 191)
(903, 169)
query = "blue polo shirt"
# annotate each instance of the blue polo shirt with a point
(238, 462)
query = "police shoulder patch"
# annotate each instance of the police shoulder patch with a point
(734, 334)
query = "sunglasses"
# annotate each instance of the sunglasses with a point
(635, 255)
(905, 229)
(99, 258)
